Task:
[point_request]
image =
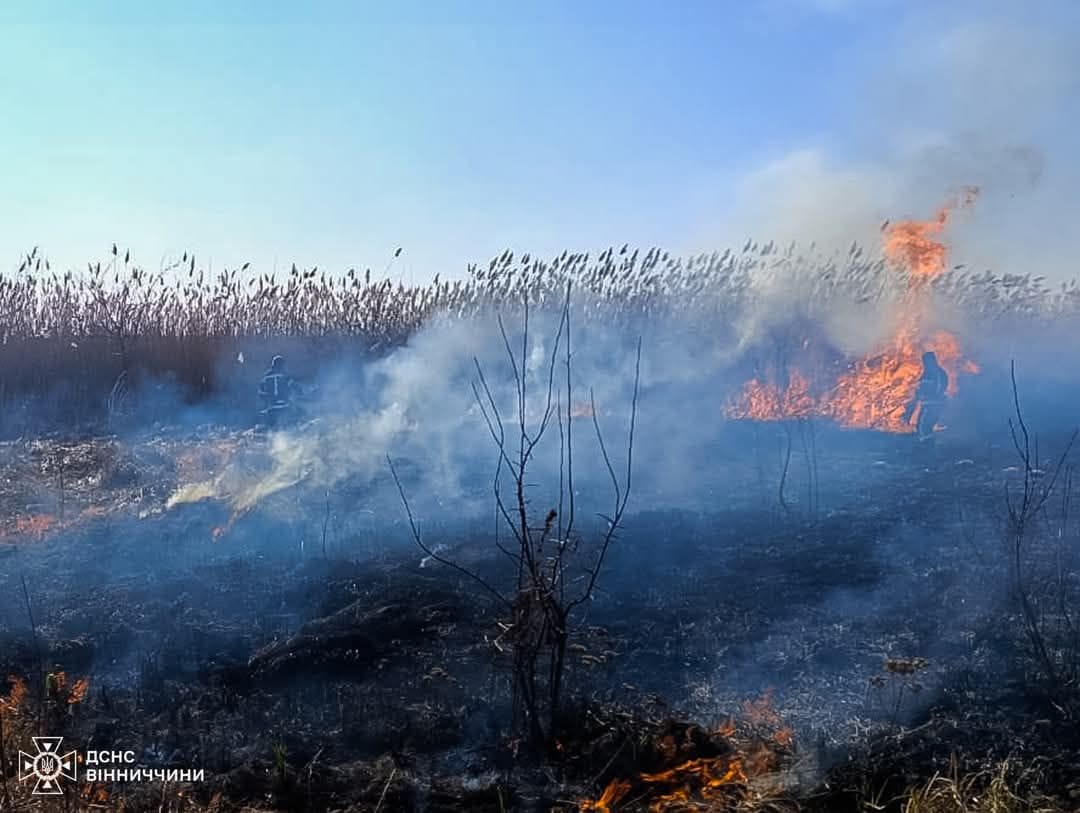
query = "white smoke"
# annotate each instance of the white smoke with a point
(977, 94)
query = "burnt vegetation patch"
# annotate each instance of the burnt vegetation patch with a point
(604, 598)
(888, 649)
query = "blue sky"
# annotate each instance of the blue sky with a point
(257, 132)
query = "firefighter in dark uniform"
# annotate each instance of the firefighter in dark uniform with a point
(277, 393)
(929, 397)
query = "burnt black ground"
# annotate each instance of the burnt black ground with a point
(375, 671)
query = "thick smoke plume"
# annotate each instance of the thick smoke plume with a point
(981, 93)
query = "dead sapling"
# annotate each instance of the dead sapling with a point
(540, 553)
(539, 627)
(1048, 634)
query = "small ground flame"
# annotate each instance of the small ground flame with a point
(753, 748)
(612, 795)
(34, 525)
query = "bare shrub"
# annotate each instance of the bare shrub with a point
(1043, 545)
(552, 569)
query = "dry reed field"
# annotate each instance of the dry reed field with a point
(85, 338)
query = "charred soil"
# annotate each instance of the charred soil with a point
(744, 653)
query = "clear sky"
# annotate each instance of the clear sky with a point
(329, 134)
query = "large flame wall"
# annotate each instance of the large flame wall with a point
(874, 391)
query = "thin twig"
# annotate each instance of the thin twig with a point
(440, 559)
(40, 653)
(386, 787)
(621, 498)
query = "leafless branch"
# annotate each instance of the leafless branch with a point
(432, 554)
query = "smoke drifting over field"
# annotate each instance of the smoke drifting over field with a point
(417, 403)
(952, 98)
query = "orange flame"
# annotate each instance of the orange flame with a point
(78, 691)
(35, 525)
(221, 530)
(767, 400)
(38, 526)
(16, 696)
(613, 793)
(57, 681)
(761, 712)
(708, 780)
(712, 782)
(703, 780)
(875, 391)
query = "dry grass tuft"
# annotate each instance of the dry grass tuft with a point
(997, 791)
